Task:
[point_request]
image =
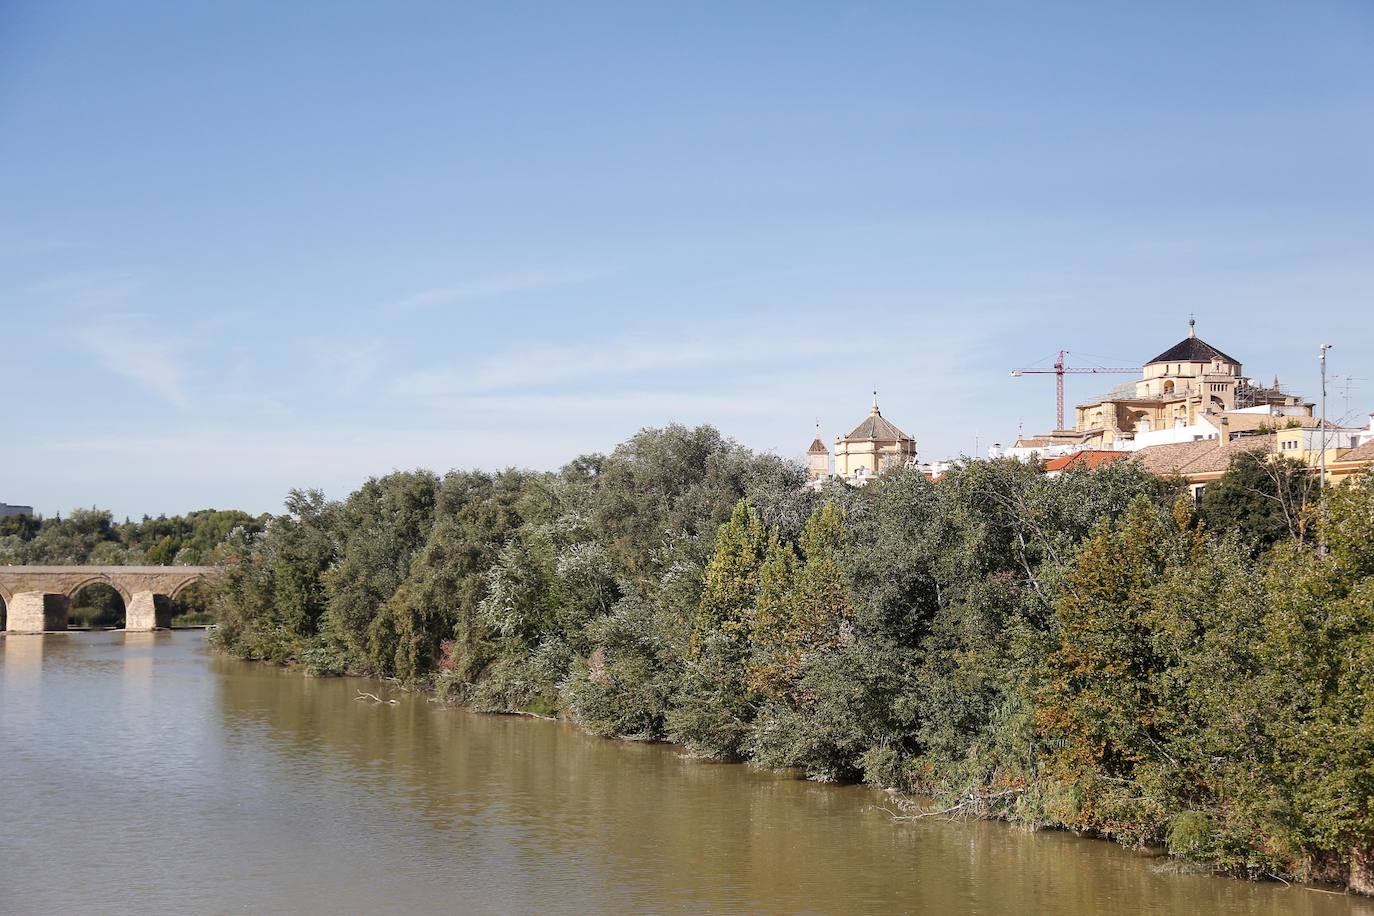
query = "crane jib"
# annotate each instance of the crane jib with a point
(1059, 370)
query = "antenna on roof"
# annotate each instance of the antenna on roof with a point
(1349, 383)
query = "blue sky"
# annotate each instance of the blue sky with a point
(245, 247)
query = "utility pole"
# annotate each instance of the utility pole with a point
(1321, 526)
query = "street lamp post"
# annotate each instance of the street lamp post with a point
(1325, 347)
(1321, 490)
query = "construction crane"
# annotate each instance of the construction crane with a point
(1059, 371)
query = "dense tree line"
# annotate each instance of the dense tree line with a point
(92, 537)
(1087, 651)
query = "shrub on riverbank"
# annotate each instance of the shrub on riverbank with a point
(1077, 651)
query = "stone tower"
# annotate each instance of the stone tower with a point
(817, 458)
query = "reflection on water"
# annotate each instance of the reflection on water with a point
(23, 656)
(144, 774)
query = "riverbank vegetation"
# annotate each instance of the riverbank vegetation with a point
(1087, 651)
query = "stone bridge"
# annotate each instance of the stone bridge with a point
(37, 598)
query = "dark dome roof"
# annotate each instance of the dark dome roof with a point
(1191, 350)
(817, 447)
(875, 426)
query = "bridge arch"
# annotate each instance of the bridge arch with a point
(196, 578)
(96, 604)
(105, 579)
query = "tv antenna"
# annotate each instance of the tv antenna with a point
(1347, 382)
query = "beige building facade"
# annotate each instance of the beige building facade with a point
(870, 448)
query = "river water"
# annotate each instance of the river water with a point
(143, 773)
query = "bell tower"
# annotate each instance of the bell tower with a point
(817, 458)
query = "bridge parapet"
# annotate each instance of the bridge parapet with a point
(37, 598)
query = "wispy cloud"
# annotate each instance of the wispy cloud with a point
(530, 367)
(127, 346)
(88, 289)
(654, 405)
(346, 365)
(30, 247)
(491, 286)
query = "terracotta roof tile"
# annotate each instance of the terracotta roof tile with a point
(1091, 459)
(1173, 457)
(1361, 453)
(1219, 458)
(1201, 457)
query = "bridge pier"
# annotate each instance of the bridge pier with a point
(148, 611)
(35, 612)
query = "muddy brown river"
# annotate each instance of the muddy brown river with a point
(142, 773)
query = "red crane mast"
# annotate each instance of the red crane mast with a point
(1059, 371)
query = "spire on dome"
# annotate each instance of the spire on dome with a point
(875, 412)
(1192, 326)
(817, 446)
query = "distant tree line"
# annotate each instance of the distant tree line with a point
(1089, 651)
(92, 537)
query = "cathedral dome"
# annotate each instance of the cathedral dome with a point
(1192, 349)
(876, 426)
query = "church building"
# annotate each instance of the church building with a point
(872, 447)
(1189, 380)
(1187, 392)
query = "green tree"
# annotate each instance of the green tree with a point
(1098, 708)
(820, 709)
(1319, 665)
(269, 604)
(625, 684)
(71, 541)
(731, 581)
(714, 705)
(1263, 498)
(378, 530)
